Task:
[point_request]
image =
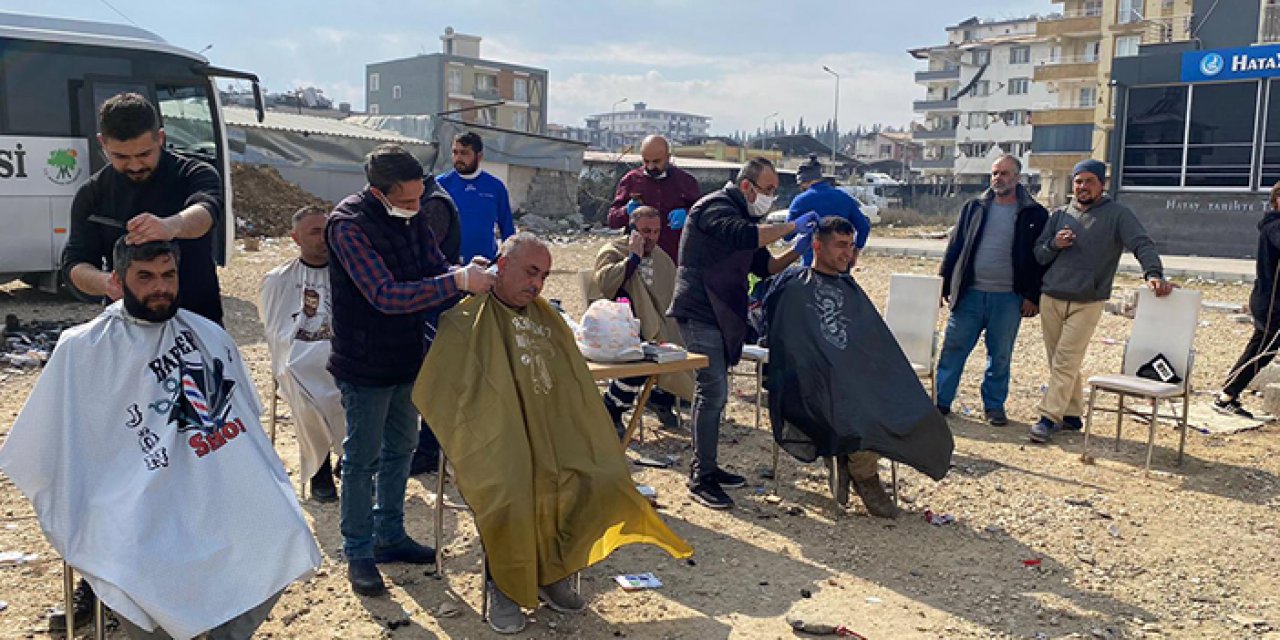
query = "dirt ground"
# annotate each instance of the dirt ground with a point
(1188, 552)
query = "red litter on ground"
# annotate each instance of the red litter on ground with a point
(938, 519)
(1033, 562)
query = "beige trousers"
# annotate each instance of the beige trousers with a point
(864, 464)
(1068, 327)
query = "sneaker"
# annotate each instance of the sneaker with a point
(874, 498)
(838, 479)
(946, 411)
(424, 463)
(505, 615)
(1072, 423)
(710, 495)
(667, 416)
(322, 487)
(561, 597)
(1231, 407)
(407, 550)
(365, 578)
(1043, 430)
(82, 601)
(997, 417)
(727, 480)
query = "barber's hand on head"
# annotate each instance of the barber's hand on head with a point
(110, 288)
(676, 218)
(636, 243)
(807, 223)
(1065, 238)
(1161, 286)
(146, 227)
(474, 278)
(1029, 308)
(804, 242)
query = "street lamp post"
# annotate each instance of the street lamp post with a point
(764, 129)
(613, 120)
(835, 117)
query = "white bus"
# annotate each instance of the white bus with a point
(54, 74)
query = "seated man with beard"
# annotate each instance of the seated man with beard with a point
(510, 397)
(839, 385)
(141, 451)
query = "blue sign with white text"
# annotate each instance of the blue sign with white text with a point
(1231, 64)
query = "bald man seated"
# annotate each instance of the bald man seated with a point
(658, 184)
(534, 453)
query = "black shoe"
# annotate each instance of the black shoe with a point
(404, 551)
(365, 578)
(727, 480)
(711, 495)
(82, 601)
(667, 416)
(322, 487)
(946, 411)
(424, 463)
(1232, 407)
(998, 418)
(1072, 423)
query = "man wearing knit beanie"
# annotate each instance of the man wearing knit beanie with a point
(1080, 248)
(825, 200)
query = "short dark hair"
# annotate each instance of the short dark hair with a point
(123, 255)
(390, 164)
(832, 225)
(753, 168)
(307, 211)
(471, 140)
(127, 116)
(1017, 164)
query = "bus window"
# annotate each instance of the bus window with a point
(40, 87)
(186, 115)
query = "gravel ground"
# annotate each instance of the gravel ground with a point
(1186, 552)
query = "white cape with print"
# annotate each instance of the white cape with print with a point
(299, 346)
(141, 450)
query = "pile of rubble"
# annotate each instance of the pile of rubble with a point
(265, 201)
(27, 346)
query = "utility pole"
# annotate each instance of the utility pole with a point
(835, 118)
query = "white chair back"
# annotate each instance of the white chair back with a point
(912, 314)
(1163, 326)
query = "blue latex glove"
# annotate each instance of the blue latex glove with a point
(804, 242)
(632, 204)
(676, 218)
(807, 223)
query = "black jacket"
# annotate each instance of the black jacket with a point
(442, 216)
(967, 234)
(1262, 299)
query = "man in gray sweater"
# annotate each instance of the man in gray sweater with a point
(1080, 247)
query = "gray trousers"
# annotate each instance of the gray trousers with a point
(240, 627)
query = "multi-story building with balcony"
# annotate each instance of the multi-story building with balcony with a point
(459, 84)
(1075, 122)
(978, 99)
(622, 128)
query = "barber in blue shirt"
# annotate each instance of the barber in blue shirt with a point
(824, 199)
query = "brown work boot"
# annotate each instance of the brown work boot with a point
(865, 475)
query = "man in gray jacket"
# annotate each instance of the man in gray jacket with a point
(1080, 247)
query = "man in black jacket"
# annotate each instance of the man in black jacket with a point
(991, 280)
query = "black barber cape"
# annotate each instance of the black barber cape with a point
(838, 381)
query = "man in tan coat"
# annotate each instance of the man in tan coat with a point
(636, 268)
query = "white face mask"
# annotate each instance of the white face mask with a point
(397, 212)
(762, 204)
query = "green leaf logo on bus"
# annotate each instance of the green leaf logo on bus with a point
(63, 166)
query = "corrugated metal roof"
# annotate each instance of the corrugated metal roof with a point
(679, 161)
(242, 117)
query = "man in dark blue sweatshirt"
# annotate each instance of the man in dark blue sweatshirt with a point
(481, 198)
(821, 197)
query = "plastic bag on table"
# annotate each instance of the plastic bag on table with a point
(609, 332)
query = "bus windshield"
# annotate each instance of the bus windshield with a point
(187, 117)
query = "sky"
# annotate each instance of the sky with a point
(736, 62)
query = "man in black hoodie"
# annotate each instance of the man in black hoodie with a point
(1260, 350)
(991, 279)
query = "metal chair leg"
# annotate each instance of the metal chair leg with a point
(759, 391)
(893, 475)
(775, 460)
(1182, 436)
(1088, 419)
(484, 576)
(1119, 420)
(440, 473)
(68, 597)
(275, 389)
(99, 621)
(1151, 432)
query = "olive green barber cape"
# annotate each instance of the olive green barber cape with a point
(533, 449)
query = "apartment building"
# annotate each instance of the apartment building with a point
(979, 97)
(459, 84)
(1077, 118)
(627, 127)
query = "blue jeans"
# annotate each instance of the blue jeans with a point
(710, 395)
(999, 314)
(382, 431)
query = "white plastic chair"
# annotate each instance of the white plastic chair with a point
(912, 315)
(1161, 326)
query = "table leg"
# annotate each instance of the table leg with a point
(637, 414)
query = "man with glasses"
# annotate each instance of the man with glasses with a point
(723, 242)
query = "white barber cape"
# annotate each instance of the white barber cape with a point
(296, 309)
(141, 450)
